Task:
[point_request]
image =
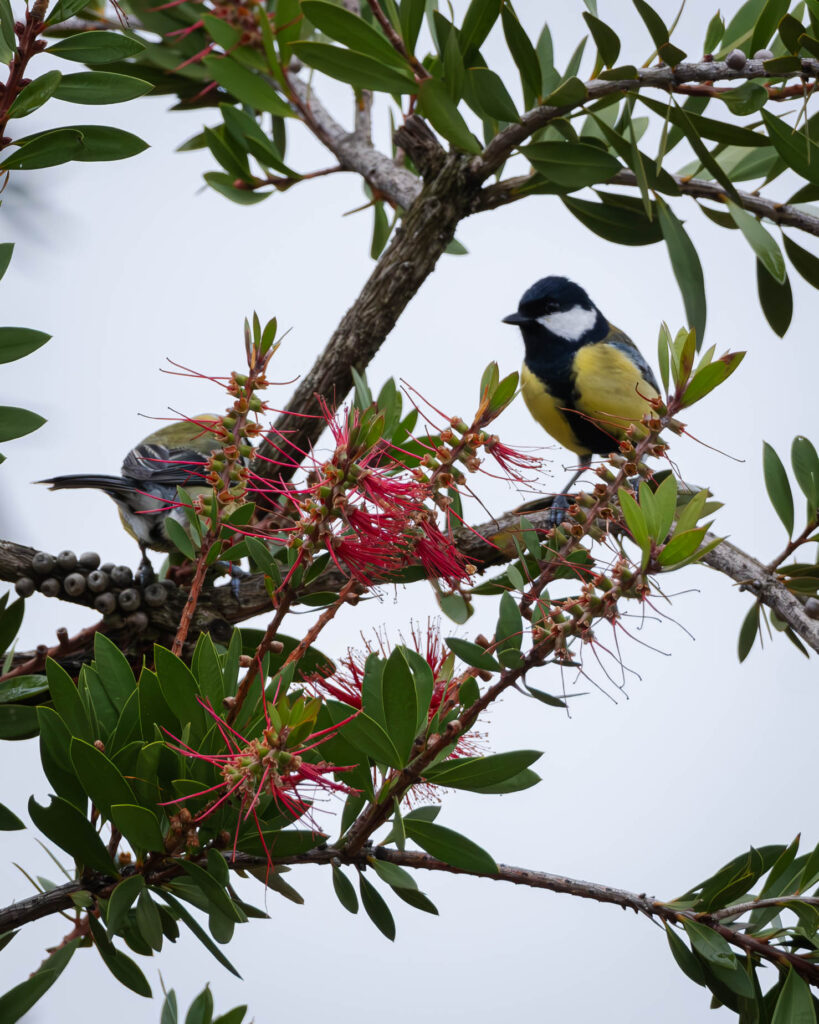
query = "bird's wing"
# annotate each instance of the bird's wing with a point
(154, 463)
(626, 345)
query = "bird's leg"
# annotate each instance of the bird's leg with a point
(145, 573)
(562, 500)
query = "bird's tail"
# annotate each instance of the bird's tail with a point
(115, 486)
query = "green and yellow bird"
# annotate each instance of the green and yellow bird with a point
(145, 494)
(583, 380)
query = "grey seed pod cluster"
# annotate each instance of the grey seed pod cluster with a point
(25, 586)
(736, 59)
(130, 599)
(812, 607)
(89, 560)
(764, 55)
(67, 561)
(121, 575)
(98, 581)
(155, 595)
(43, 563)
(107, 567)
(50, 587)
(74, 584)
(105, 603)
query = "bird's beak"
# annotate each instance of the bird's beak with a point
(515, 318)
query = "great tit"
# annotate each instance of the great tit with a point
(583, 380)
(145, 494)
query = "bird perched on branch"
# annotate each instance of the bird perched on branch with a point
(145, 494)
(583, 380)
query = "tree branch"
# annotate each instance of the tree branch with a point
(662, 77)
(513, 189)
(60, 898)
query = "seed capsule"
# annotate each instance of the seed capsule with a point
(121, 575)
(98, 581)
(74, 584)
(25, 586)
(43, 563)
(138, 621)
(130, 599)
(67, 561)
(155, 595)
(105, 603)
(736, 59)
(107, 567)
(89, 560)
(50, 587)
(764, 55)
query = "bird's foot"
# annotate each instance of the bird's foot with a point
(236, 573)
(559, 510)
(145, 574)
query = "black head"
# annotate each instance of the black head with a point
(559, 306)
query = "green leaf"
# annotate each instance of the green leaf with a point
(476, 773)
(96, 47)
(686, 960)
(509, 628)
(396, 877)
(795, 1002)
(35, 94)
(99, 776)
(572, 165)
(635, 519)
(121, 966)
(9, 822)
(17, 422)
(65, 9)
(804, 262)
(713, 34)
(6, 250)
(605, 39)
(800, 154)
(352, 31)
(439, 108)
(746, 99)
(95, 87)
(16, 1003)
(681, 546)
(449, 846)
(777, 486)
(115, 673)
(805, 464)
(17, 721)
(367, 735)
(400, 704)
(182, 913)
(139, 825)
(344, 890)
(67, 700)
(377, 910)
(748, 631)
(488, 96)
(763, 244)
(246, 86)
(64, 825)
(685, 263)
(765, 27)
(16, 342)
(121, 901)
(480, 16)
(523, 52)
(623, 225)
(711, 376)
(357, 69)
(709, 944)
(570, 93)
(472, 654)
(213, 891)
(417, 899)
(47, 150)
(148, 921)
(178, 687)
(180, 538)
(775, 299)
(97, 143)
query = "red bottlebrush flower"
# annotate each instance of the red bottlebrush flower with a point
(390, 493)
(510, 460)
(346, 682)
(438, 554)
(253, 768)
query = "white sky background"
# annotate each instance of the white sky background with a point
(129, 263)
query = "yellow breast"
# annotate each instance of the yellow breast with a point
(548, 411)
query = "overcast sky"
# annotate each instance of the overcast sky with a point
(650, 789)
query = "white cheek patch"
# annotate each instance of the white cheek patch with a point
(570, 324)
